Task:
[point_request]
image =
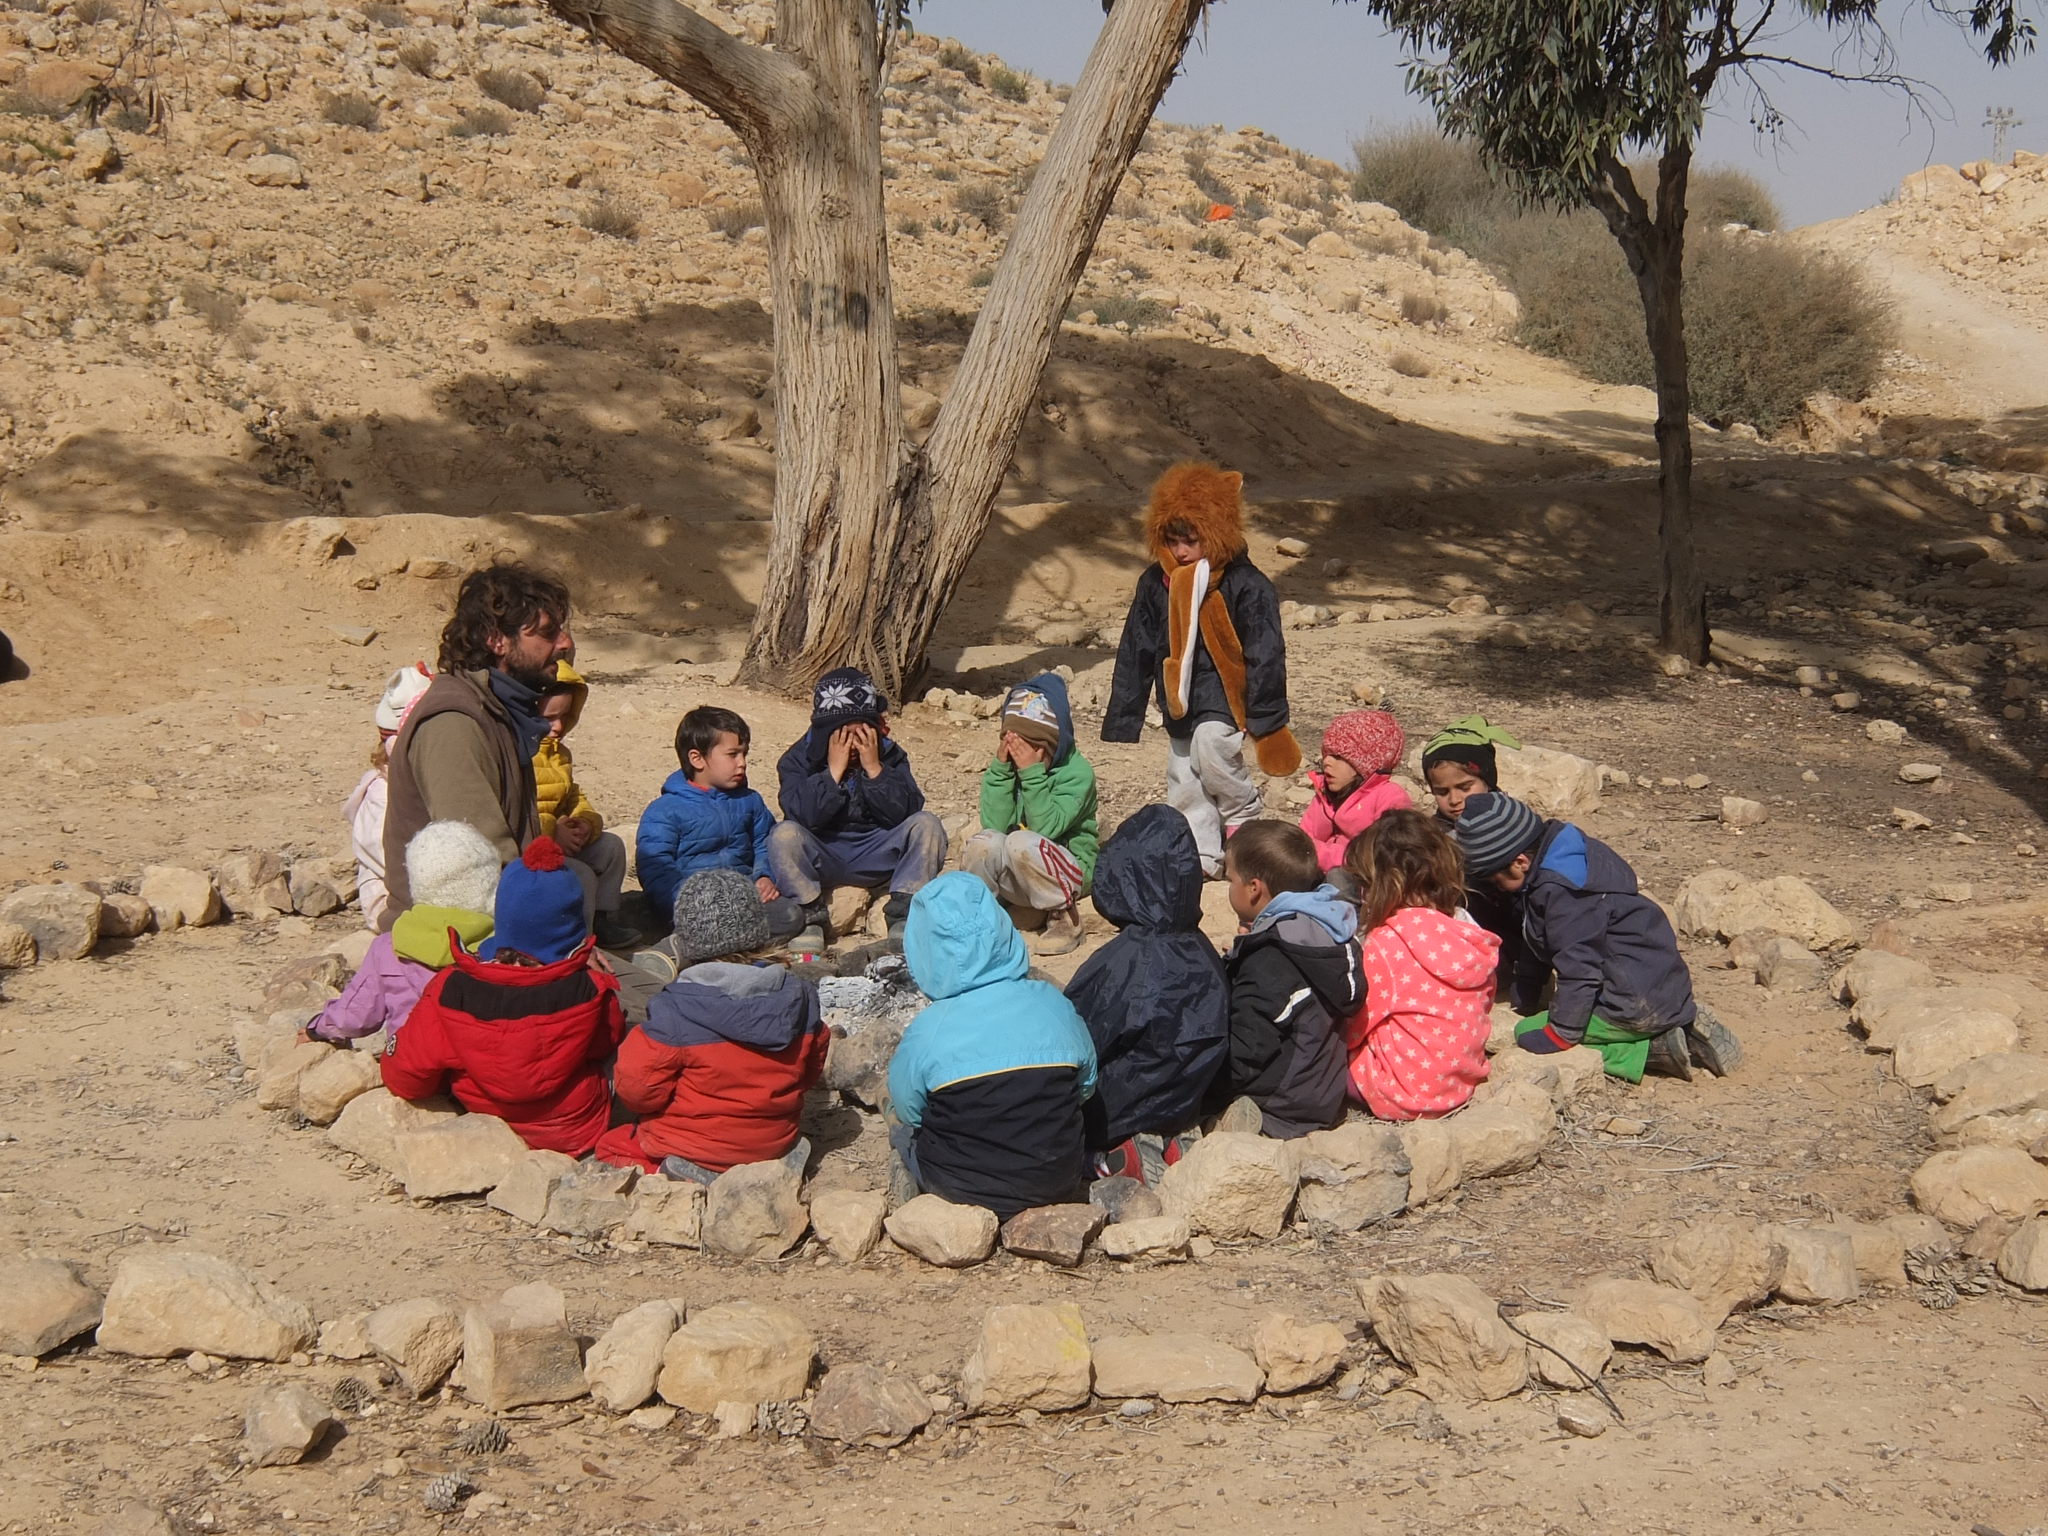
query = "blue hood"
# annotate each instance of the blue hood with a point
(957, 938)
(1566, 855)
(1053, 688)
(1322, 906)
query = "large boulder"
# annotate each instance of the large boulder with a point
(1056, 1234)
(1147, 1237)
(181, 898)
(1661, 1317)
(461, 1155)
(1703, 899)
(2023, 1261)
(1962, 1187)
(328, 1086)
(1434, 1167)
(1785, 905)
(1926, 1053)
(369, 1126)
(1552, 784)
(172, 1303)
(1233, 1185)
(63, 919)
(742, 1352)
(43, 1304)
(1352, 1176)
(667, 1211)
(590, 1200)
(1885, 1017)
(1449, 1332)
(1028, 1357)
(525, 1191)
(1503, 1135)
(1175, 1368)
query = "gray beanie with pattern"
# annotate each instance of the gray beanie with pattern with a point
(719, 913)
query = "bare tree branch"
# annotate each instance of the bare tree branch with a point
(750, 88)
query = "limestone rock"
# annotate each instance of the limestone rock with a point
(1449, 1332)
(1962, 1187)
(1233, 1185)
(1149, 1237)
(867, 1405)
(1434, 1167)
(1125, 1199)
(327, 1086)
(345, 1338)
(1725, 1264)
(273, 171)
(370, 1126)
(1878, 1249)
(1175, 1368)
(1565, 1077)
(1352, 1176)
(2020, 1130)
(590, 1200)
(181, 898)
(755, 1211)
(1499, 1137)
(1928, 1052)
(253, 885)
(1885, 1017)
(1704, 898)
(278, 1087)
(1877, 970)
(17, 947)
(622, 1366)
(461, 1155)
(123, 916)
(1663, 1317)
(669, 1211)
(1028, 1357)
(1580, 1341)
(524, 1192)
(43, 1304)
(171, 1303)
(1738, 812)
(1294, 1354)
(282, 1423)
(1820, 1265)
(1058, 1234)
(942, 1233)
(848, 1222)
(742, 1352)
(1785, 905)
(420, 1338)
(2004, 1084)
(519, 1350)
(63, 919)
(1550, 783)
(2023, 1261)
(1785, 965)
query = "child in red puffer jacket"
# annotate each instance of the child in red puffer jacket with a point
(524, 1028)
(1418, 1047)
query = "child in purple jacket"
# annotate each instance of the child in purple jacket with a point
(454, 873)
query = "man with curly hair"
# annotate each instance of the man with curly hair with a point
(466, 750)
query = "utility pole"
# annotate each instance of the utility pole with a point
(2001, 121)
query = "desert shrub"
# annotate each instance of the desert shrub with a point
(1410, 365)
(93, 12)
(1723, 195)
(1136, 271)
(28, 7)
(1420, 309)
(982, 203)
(1196, 210)
(1008, 84)
(348, 109)
(514, 88)
(1212, 186)
(1435, 183)
(379, 13)
(418, 55)
(954, 57)
(19, 101)
(221, 311)
(61, 261)
(604, 214)
(481, 123)
(1253, 207)
(501, 16)
(130, 118)
(734, 222)
(981, 277)
(943, 172)
(1213, 245)
(910, 229)
(1111, 309)
(1301, 234)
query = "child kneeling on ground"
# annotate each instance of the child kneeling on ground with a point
(1154, 998)
(1622, 986)
(987, 1084)
(1295, 975)
(1036, 849)
(453, 873)
(1418, 1046)
(524, 1028)
(718, 1073)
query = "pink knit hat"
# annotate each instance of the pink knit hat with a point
(1370, 740)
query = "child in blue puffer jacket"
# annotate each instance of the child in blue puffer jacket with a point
(706, 817)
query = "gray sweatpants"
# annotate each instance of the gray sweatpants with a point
(1207, 782)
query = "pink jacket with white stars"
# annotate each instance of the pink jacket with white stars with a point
(1417, 1048)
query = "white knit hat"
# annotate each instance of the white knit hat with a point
(401, 689)
(451, 864)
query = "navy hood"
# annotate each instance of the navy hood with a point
(1054, 689)
(1149, 874)
(761, 1006)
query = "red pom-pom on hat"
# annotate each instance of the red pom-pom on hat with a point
(543, 853)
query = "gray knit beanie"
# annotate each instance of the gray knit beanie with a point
(719, 913)
(1493, 830)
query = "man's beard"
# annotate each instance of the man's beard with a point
(535, 677)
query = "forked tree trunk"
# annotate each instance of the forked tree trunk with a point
(872, 533)
(1654, 245)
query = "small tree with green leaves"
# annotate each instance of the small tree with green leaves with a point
(1558, 97)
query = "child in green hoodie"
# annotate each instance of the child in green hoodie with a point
(1036, 849)
(453, 870)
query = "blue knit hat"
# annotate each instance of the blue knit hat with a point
(539, 908)
(1493, 831)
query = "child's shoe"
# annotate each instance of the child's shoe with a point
(1712, 1044)
(896, 912)
(1122, 1161)
(614, 933)
(809, 941)
(1060, 934)
(1669, 1056)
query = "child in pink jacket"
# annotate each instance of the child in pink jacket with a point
(1417, 1048)
(1353, 790)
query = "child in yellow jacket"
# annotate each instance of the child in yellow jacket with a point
(598, 857)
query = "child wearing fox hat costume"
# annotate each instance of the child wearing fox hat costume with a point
(1204, 633)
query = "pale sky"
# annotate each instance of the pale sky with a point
(1316, 74)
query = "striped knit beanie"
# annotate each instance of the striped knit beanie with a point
(1494, 830)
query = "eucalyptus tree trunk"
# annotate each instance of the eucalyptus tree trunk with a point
(872, 532)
